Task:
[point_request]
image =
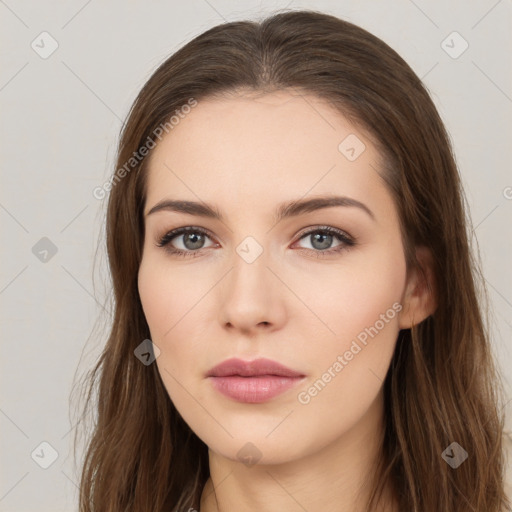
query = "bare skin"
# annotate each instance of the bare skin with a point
(246, 155)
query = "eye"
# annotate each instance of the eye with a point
(321, 239)
(193, 241)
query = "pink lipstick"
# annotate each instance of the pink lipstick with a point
(252, 381)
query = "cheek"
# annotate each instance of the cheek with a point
(353, 295)
(167, 296)
(361, 306)
(169, 302)
(349, 370)
(368, 298)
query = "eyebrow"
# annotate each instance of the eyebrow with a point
(283, 211)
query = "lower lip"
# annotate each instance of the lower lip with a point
(253, 389)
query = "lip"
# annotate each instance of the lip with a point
(253, 381)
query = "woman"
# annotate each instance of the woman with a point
(297, 325)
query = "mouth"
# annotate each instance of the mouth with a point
(253, 381)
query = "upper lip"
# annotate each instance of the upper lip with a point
(261, 366)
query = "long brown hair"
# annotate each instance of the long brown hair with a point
(442, 386)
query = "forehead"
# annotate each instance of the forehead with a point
(255, 148)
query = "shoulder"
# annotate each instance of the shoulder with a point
(507, 448)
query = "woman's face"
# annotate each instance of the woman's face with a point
(264, 280)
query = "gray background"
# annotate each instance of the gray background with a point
(61, 117)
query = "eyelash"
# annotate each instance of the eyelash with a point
(346, 240)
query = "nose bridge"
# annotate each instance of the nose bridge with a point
(249, 296)
(250, 272)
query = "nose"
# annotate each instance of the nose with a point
(252, 297)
